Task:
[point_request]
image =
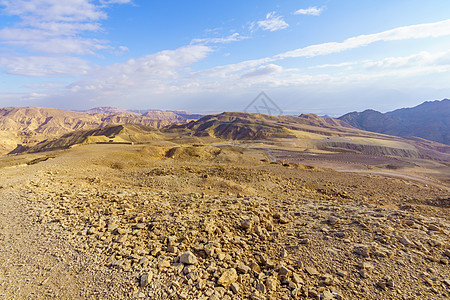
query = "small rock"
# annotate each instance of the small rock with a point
(297, 279)
(271, 284)
(155, 252)
(235, 287)
(143, 261)
(333, 220)
(340, 234)
(295, 293)
(429, 282)
(341, 273)
(365, 266)
(362, 250)
(291, 285)
(433, 227)
(188, 269)
(363, 273)
(381, 284)
(145, 278)
(405, 241)
(327, 279)
(304, 241)
(284, 271)
(435, 243)
(261, 287)
(241, 268)
(139, 226)
(162, 264)
(172, 249)
(228, 277)
(311, 271)
(326, 295)
(247, 224)
(188, 258)
(285, 219)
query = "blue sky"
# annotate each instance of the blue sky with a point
(326, 57)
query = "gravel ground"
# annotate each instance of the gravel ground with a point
(90, 224)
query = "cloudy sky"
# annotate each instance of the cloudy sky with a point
(326, 57)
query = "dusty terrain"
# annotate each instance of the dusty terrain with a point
(220, 221)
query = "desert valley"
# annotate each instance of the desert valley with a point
(225, 150)
(115, 204)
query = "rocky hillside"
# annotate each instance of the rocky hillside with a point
(118, 134)
(311, 131)
(30, 125)
(244, 126)
(240, 126)
(429, 120)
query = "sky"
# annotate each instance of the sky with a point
(208, 56)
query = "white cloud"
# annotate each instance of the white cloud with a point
(230, 70)
(33, 97)
(55, 31)
(421, 59)
(44, 86)
(437, 29)
(338, 65)
(106, 2)
(312, 11)
(54, 26)
(273, 22)
(40, 66)
(164, 74)
(263, 70)
(33, 11)
(155, 71)
(231, 38)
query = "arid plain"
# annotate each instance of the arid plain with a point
(232, 206)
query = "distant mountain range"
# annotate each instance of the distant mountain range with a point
(305, 132)
(38, 129)
(30, 125)
(429, 120)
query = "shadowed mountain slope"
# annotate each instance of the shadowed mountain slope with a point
(429, 120)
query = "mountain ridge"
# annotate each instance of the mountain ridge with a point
(429, 120)
(31, 125)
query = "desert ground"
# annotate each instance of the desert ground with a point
(222, 220)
